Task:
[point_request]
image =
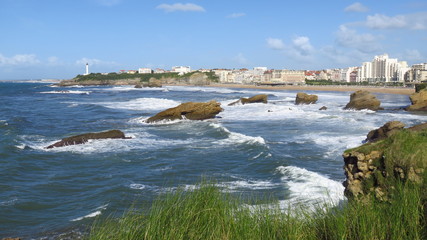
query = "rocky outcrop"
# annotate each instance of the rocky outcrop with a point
(374, 168)
(418, 101)
(260, 98)
(385, 131)
(363, 100)
(152, 84)
(323, 108)
(189, 110)
(83, 138)
(138, 86)
(304, 98)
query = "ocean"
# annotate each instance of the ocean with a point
(281, 150)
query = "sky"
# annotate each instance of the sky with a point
(45, 39)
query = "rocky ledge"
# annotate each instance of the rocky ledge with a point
(399, 155)
(189, 110)
(84, 138)
(304, 98)
(260, 98)
(363, 100)
(418, 101)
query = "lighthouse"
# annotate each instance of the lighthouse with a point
(87, 69)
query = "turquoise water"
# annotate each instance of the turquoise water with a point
(290, 152)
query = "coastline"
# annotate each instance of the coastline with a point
(388, 90)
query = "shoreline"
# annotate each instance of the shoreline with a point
(335, 88)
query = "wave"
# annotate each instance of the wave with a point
(247, 184)
(67, 92)
(309, 188)
(142, 104)
(236, 138)
(93, 214)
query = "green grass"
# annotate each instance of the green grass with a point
(208, 213)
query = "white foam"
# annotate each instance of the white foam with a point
(309, 188)
(132, 88)
(237, 138)
(93, 214)
(142, 104)
(67, 92)
(247, 184)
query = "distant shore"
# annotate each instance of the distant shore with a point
(338, 88)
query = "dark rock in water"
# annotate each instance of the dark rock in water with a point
(363, 100)
(385, 131)
(304, 98)
(419, 101)
(260, 98)
(11, 238)
(138, 86)
(152, 84)
(83, 138)
(323, 108)
(189, 110)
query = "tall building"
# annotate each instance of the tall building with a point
(383, 69)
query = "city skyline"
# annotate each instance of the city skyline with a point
(55, 39)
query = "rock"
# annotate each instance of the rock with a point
(189, 110)
(11, 238)
(260, 98)
(304, 98)
(418, 127)
(323, 108)
(363, 100)
(138, 86)
(152, 84)
(83, 138)
(418, 101)
(385, 131)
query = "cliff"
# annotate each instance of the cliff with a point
(374, 168)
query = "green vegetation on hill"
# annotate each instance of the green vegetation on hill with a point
(143, 77)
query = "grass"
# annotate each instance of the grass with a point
(208, 213)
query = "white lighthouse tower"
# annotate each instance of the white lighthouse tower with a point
(87, 69)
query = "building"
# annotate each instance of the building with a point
(417, 73)
(145, 70)
(383, 69)
(288, 76)
(181, 69)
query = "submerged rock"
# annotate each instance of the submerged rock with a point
(385, 131)
(304, 98)
(83, 138)
(189, 110)
(418, 101)
(323, 108)
(363, 100)
(260, 98)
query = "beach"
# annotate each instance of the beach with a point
(336, 88)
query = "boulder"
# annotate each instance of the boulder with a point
(385, 131)
(83, 138)
(363, 100)
(138, 86)
(323, 108)
(260, 98)
(189, 110)
(304, 98)
(418, 101)
(152, 84)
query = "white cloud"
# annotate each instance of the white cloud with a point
(356, 7)
(185, 7)
(241, 59)
(302, 45)
(93, 61)
(19, 59)
(236, 15)
(380, 21)
(413, 55)
(53, 60)
(366, 43)
(275, 43)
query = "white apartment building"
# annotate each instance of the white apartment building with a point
(383, 69)
(418, 73)
(346, 74)
(288, 76)
(181, 69)
(144, 70)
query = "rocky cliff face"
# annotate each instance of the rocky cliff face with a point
(373, 168)
(419, 101)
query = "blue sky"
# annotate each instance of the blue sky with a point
(55, 38)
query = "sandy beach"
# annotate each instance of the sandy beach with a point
(373, 89)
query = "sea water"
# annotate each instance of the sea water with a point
(286, 151)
